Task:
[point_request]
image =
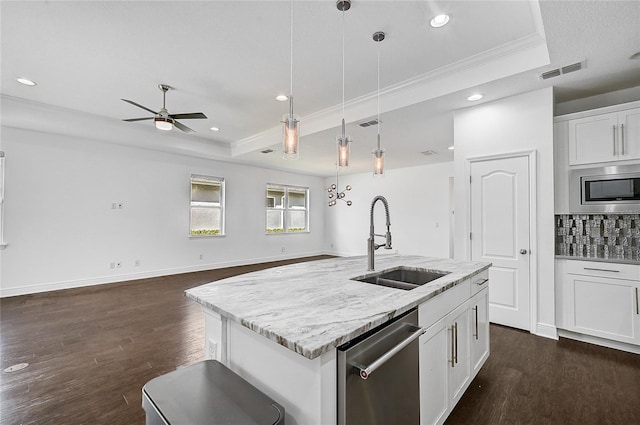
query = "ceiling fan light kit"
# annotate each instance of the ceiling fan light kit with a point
(163, 123)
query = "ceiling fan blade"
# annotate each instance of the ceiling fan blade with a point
(138, 119)
(140, 106)
(183, 127)
(190, 116)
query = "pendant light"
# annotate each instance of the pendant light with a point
(378, 153)
(291, 129)
(343, 139)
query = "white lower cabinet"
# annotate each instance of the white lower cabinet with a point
(600, 299)
(452, 351)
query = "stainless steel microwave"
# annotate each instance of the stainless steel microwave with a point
(613, 189)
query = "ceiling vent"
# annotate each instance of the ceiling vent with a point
(369, 123)
(561, 71)
(429, 152)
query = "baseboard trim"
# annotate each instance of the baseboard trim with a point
(631, 348)
(102, 280)
(547, 331)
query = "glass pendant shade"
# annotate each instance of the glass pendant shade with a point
(291, 130)
(378, 162)
(343, 150)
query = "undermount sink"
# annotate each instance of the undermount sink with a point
(406, 278)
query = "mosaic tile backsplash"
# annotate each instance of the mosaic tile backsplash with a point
(615, 236)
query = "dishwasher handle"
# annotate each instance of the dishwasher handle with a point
(366, 371)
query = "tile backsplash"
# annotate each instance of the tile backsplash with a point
(615, 236)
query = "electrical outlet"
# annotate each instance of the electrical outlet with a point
(201, 256)
(283, 249)
(137, 263)
(114, 205)
(112, 265)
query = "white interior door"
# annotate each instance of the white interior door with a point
(500, 234)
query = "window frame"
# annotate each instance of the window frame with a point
(212, 180)
(285, 209)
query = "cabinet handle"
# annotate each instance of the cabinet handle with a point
(637, 303)
(482, 282)
(456, 345)
(602, 270)
(614, 140)
(453, 351)
(475, 309)
(622, 136)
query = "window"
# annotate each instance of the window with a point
(287, 209)
(207, 206)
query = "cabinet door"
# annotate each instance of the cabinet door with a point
(434, 374)
(460, 367)
(602, 307)
(593, 139)
(479, 314)
(629, 133)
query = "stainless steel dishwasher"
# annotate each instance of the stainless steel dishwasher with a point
(378, 380)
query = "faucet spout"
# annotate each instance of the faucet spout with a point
(371, 245)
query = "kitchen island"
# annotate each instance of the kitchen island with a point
(279, 328)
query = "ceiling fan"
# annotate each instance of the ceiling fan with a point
(163, 119)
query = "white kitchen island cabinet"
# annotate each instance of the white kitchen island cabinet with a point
(279, 328)
(454, 348)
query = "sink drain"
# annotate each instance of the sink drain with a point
(16, 367)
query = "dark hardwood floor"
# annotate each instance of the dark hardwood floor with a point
(90, 351)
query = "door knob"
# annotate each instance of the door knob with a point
(523, 251)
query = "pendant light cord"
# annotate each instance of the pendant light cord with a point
(291, 52)
(343, 134)
(378, 95)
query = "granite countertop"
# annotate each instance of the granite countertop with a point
(598, 259)
(313, 307)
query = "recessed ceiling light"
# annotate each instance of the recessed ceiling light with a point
(214, 129)
(26, 81)
(475, 97)
(450, 148)
(282, 98)
(440, 21)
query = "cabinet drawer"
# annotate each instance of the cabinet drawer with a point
(602, 269)
(439, 306)
(479, 282)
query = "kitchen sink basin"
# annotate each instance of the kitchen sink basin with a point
(406, 278)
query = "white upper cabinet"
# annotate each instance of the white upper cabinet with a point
(629, 123)
(606, 137)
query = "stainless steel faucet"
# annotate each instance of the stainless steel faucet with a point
(371, 244)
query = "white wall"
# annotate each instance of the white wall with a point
(514, 124)
(61, 231)
(418, 205)
(599, 101)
